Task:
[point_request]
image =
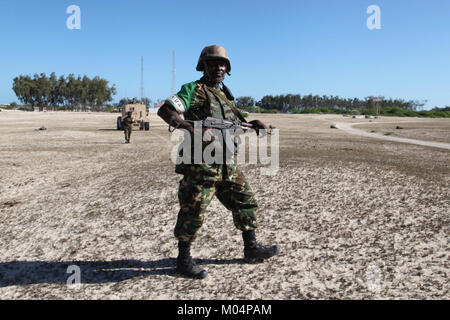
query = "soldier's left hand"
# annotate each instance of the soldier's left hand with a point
(208, 135)
(259, 125)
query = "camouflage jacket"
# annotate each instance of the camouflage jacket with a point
(197, 101)
(127, 121)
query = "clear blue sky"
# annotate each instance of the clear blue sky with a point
(276, 47)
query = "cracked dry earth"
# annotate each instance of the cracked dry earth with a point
(355, 217)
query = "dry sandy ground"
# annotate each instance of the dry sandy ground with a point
(355, 217)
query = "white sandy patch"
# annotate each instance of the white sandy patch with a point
(348, 127)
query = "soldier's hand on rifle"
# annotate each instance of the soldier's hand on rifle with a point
(173, 119)
(259, 125)
(184, 125)
(208, 134)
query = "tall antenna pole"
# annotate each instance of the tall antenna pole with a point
(174, 83)
(142, 78)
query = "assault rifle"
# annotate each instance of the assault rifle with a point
(226, 126)
(222, 124)
(237, 127)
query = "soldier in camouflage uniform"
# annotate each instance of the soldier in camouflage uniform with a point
(201, 182)
(127, 126)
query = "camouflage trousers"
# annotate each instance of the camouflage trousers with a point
(201, 182)
(127, 131)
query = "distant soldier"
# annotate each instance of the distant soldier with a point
(127, 126)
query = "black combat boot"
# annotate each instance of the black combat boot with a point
(254, 252)
(185, 265)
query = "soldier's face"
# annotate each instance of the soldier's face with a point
(215, 70)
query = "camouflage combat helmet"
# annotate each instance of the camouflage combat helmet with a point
(213, 52)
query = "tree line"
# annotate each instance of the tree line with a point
(295, 103)
(82, 93)
(63, 93)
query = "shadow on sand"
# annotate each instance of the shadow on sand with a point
(39, 272)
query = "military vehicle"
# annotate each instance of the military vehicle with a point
(139, 112)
